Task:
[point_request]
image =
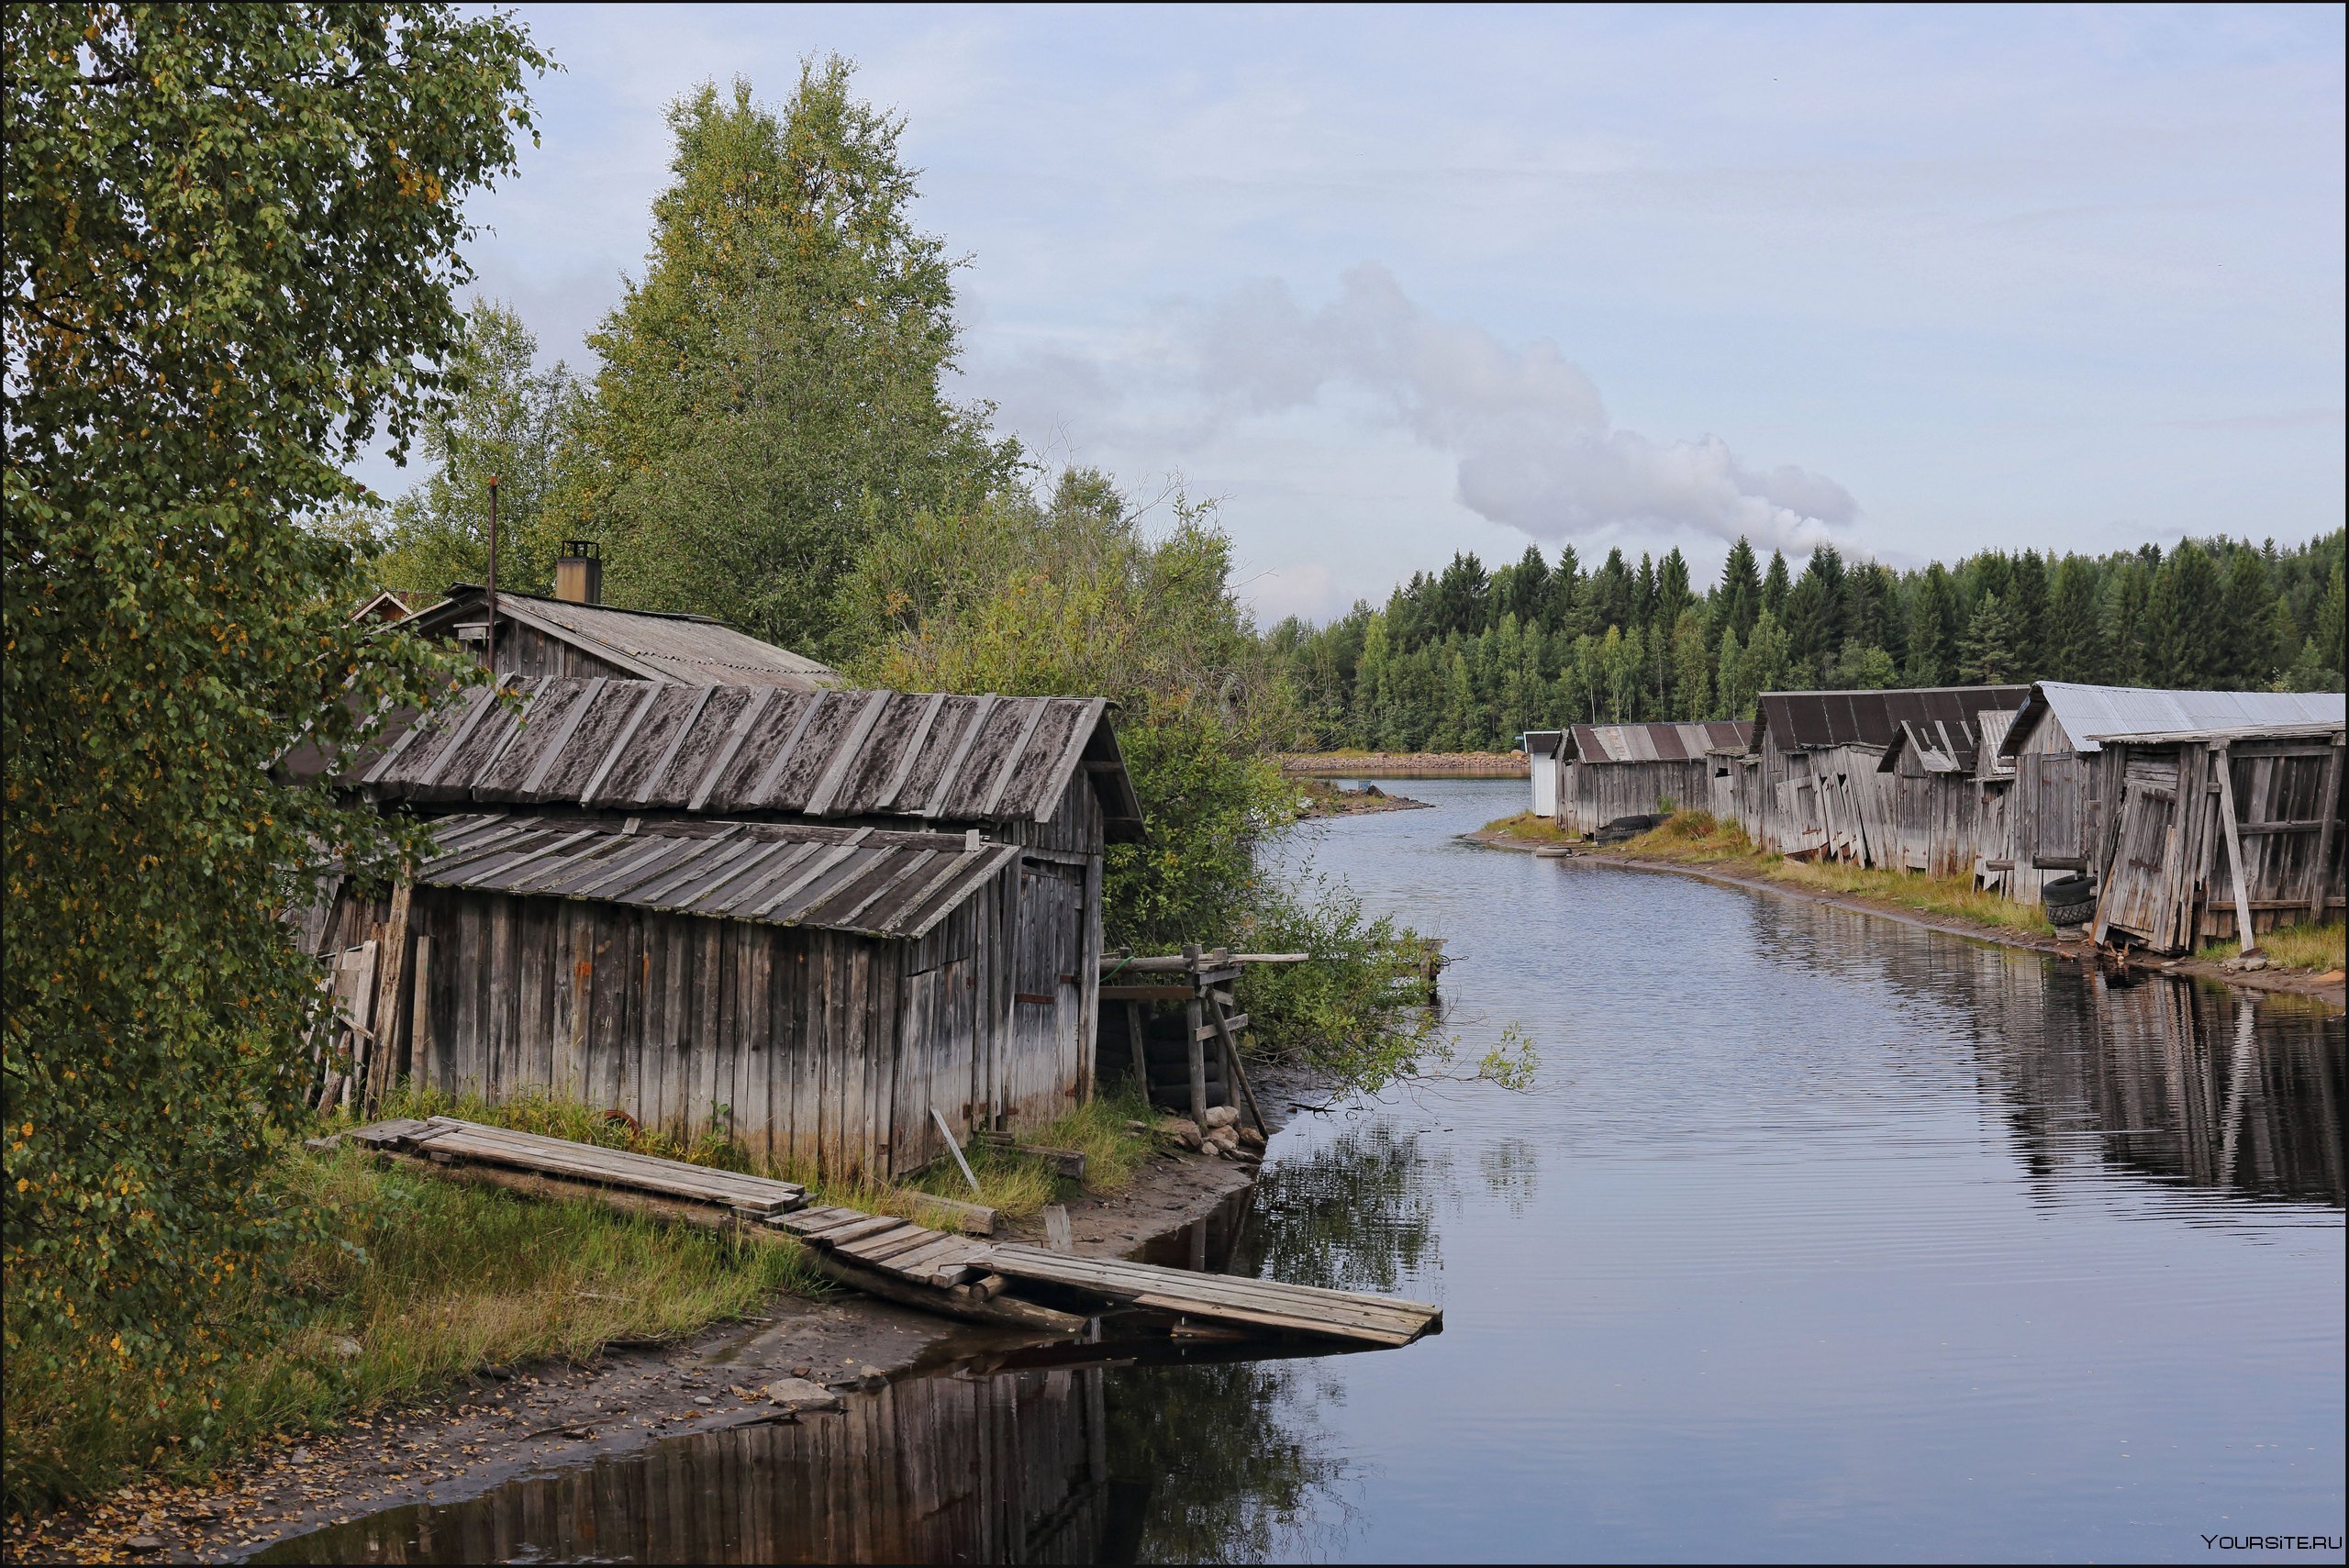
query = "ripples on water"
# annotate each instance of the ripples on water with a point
(1820, 1236)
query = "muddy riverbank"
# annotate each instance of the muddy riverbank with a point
(508, 1423)
(2326, 987)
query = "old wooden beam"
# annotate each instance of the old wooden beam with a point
(1232, 1071)
(1134, 1039)
(2324, 866)
(1194, 1045)
(2246, 939)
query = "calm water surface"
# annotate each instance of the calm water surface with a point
(1818, 1236)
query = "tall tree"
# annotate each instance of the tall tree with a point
(1935, 624)
(1987, 656)
(2182, 618)
(2026, 597)
(1776, 584)
(233, 238)
(772, 386)
(506, 420)
(2248, 652)
(1741, 590)
(2075, 646)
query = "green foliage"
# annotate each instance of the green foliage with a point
(232, 241)
(770, 392)
(1467, 659)
(1988, 655)
(421, 1280)
(1068, 594)
(506, 420)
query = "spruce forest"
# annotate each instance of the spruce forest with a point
(1468, 659)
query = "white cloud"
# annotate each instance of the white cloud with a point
(1528, 431)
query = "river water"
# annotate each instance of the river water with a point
(1817, 1235)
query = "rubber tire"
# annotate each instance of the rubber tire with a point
(2076, 888)
(2071, 914)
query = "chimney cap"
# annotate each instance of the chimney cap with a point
(582, 550)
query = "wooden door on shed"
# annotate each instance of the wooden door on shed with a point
(2138, 895)
(936, 1064)
(2058, 784)
(1046, 1005)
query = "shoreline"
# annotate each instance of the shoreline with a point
(1406, 765)
(500, 1424)
(2273, 982)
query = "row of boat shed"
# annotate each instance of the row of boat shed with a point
(2197, 812)
(688, 877)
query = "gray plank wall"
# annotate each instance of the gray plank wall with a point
(1591, 794)
(819, 1047)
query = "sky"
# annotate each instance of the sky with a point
(1391, 284)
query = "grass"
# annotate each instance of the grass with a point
(1696, 838)
(409, 1282)
(1525, 828)
(2313, 948)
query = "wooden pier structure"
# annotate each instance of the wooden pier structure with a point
(950, 1273)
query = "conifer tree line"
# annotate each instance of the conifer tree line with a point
(1467, 658)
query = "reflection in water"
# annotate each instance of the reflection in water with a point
(1010, 1468)
(2185, 1083)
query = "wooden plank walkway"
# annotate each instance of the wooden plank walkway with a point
(960, 1275)
(447, 1137)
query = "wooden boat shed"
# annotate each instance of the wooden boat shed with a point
(2200, 812)
(819, 922)
(1607, 771)
(1811, 784)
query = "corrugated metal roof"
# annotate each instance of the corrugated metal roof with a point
(1989, 762)
(689, 650)
(634, 745)
(875, 883)
(1655, 743)
(2091, 714)
(1808, 720)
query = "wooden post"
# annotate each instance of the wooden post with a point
(1233, 1072)
(2330, 802)
(384, 1065)
(422, 1063)
(1191, 1043)
(2246, 939)
(1141, 1058)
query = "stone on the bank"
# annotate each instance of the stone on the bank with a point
(1252, 1138)
(142, 1544)
(1220, 1116)
(344, 1347)
(800, 1394)
(1182, 1129)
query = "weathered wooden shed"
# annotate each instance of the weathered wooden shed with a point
(541, 636)
(806, 918)
(1818, 788)
(1607, 771)
(2166, 793)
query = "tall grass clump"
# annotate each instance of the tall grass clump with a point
(2310, 947)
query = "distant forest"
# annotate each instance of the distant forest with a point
(1467, 659)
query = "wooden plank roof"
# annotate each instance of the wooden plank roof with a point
(1668, 742)
(638, 745)
(1809, 720)
(874, 881)
(651, 645)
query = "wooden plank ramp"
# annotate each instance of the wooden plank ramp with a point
(446, 1137)
(948, 1273)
